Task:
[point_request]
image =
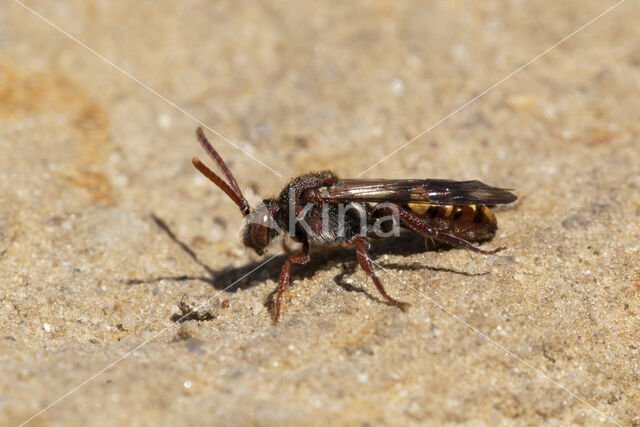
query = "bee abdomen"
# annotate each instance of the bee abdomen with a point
(469, 222)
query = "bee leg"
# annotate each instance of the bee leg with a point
(301, 257)
(362, 244)
(415, 223)
(429, 242)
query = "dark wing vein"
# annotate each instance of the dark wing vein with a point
(433, 191)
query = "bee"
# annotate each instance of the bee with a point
(319, 209)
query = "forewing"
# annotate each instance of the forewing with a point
(432, 191)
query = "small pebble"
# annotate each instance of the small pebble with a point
(257, 307)
(521, 102)
(202, 307)
(128, 322)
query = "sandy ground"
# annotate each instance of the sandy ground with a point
(105, 227)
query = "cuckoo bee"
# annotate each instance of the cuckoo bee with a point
(319, 209)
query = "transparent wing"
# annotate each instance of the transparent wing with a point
(432, 191)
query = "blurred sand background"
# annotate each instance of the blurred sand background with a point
(95, 179)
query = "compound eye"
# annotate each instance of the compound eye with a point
(260, 235)
(263, 229)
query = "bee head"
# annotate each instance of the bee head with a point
(261, 227)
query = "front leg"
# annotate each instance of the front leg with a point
(301, 257)
(362, 244)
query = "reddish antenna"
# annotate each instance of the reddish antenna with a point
(232, 191)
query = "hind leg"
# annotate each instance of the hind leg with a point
(415, 223)
(362, 244)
